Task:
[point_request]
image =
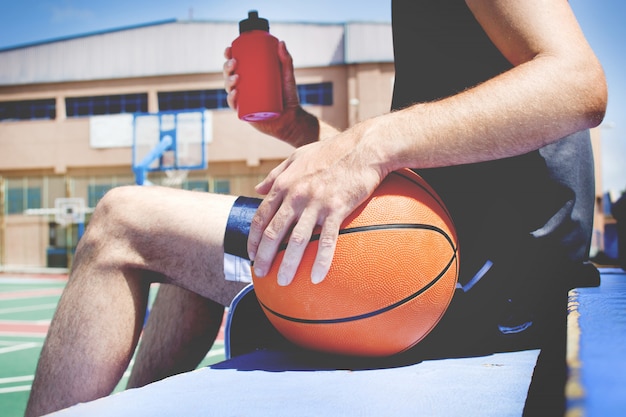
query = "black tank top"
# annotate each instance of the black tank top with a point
(537, 207)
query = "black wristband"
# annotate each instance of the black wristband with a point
(238, 226)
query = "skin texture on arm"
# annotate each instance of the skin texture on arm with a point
(555, 88)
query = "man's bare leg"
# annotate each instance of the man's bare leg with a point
(136, 236)
(180, 331)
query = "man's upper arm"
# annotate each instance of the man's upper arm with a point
(524, 30)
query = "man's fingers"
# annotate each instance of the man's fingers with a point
(325, 250)
(265, 186)
(270, 241)
(296, 245)
(300, 237)
(260, 220)
(231, 99)
(229, 69)
(266, 211)
(230, 79)
(228, 52)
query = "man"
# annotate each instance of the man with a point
(486, 95)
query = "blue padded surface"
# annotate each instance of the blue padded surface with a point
(270, 383)
(597, 347)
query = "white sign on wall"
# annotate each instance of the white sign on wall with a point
(111, 131)
(116, 130)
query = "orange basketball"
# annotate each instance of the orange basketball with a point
(392, 278)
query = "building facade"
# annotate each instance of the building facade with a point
(65, 107)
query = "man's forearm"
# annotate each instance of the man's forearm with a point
(305, 128)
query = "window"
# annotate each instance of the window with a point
(115, 104)
(312, 94)
(20, 199)
(95, 192)
(188, 100)
(221, 186)
(316, 94)
(196, 185)
(44, 109)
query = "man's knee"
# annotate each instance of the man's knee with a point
(118, 203)
(110, 221)
(119, 209)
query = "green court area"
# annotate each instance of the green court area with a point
(27, 304)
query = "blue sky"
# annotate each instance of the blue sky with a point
(603, 21)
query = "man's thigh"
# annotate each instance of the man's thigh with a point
(180, 235)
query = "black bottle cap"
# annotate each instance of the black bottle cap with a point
(253, 22)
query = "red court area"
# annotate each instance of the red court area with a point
(27, 301)
(27, 296)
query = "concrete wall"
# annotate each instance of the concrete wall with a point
(58, 153)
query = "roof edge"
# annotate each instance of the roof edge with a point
(87, 34)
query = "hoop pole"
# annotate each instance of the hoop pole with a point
(142, 168)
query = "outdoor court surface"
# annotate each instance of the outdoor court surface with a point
(27, 303)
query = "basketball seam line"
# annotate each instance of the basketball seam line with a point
(389, 226)
(366, 315)
(436, 197)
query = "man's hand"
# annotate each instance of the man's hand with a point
(319, 184)
(284, 127)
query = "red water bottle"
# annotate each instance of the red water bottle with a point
(259, 88)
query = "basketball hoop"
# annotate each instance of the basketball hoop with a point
(171, 141)
(174, 178)
(69, 211)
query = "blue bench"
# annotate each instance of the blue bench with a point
(258, 380)
(596, 348)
